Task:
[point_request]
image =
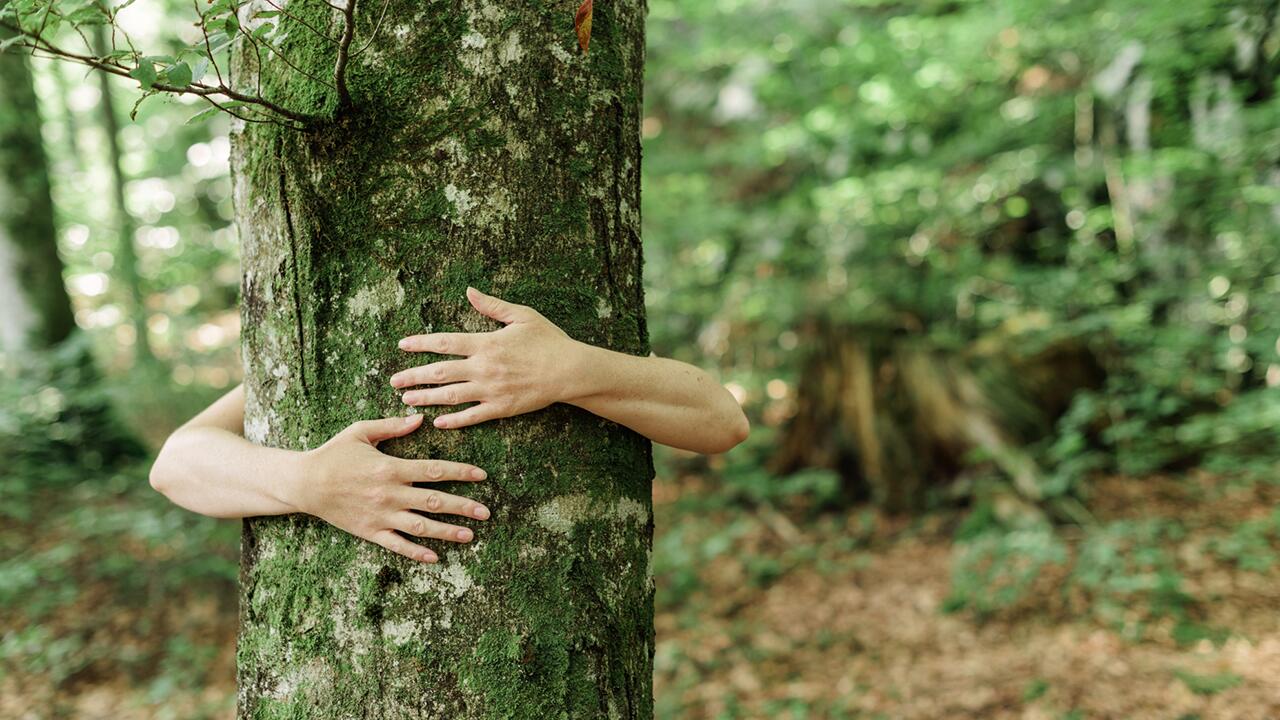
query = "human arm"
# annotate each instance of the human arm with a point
(530, 363)
(207, 466)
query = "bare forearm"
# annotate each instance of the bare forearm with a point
(531, 363)
(218, 473)
(668, 401)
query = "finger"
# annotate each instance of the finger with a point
(415, 524)
(434, 501)
(473, 415)
(438, 471)
(375, 431)
(407, 548)
(497, 308)
(441, 343)
(443, 395)
(445, 371)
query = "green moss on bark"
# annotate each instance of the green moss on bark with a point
(483, 150)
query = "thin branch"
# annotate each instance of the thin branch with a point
(208, 46)
(377, 26)
(280, 9)
(197, 89)
(257, 67)
(286, 60)
(43, 21)
(344, 49)
(233, 113)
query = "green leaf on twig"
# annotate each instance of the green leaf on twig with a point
(178, 75)
(145, 74)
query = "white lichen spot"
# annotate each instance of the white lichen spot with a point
(474, 41)
(456, 151)
(460, 198)
(532, 552)
(511, 51)
(456, 577)
(498, 206)
(559, 53)
(372, 300)
(400, 633)
(518, 148)
(256, 429)
(603, 309)
(299, 679)
(562, 514)
(447, 580)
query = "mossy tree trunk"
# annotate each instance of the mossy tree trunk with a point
(36, 308)
(481, 148)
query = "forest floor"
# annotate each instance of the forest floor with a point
(761, 614)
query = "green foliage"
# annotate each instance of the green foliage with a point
(957, 169)
(1251, 545)
(1017, 172)
(1208, 684)
(57, 425)
(996, 570)
(1128, 566)
(118, 547)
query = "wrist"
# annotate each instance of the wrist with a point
(291, 488)
(582, 373)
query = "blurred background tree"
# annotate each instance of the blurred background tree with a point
(998, 284)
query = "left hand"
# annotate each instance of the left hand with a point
(518, 369)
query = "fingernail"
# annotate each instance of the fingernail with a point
(478, 474)
(411, 419)
(441, 422)
(404, 343)
(482, 512)
(429, 557)
(407, 398)
(395, 381)
(464, 535)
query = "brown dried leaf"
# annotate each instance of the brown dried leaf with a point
(582, 24)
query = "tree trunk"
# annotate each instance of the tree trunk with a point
(37, 311)
(898, 417)
(126, 254)
(482, 148)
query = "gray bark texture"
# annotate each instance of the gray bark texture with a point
(483, 148)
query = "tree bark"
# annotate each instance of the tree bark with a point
(37, 311)
(482, 148)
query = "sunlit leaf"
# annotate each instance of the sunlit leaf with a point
(179, 75)
(201, 67)
(145, 74)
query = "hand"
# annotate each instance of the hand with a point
(522, 367)
(348, 483)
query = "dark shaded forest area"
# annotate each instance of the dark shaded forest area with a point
(997, 283)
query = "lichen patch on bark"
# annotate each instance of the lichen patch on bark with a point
(562, 514)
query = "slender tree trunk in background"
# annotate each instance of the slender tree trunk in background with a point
(482, 148)
(70, 124)
(126, 261)
(36, 311)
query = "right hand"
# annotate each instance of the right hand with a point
(350, 484)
